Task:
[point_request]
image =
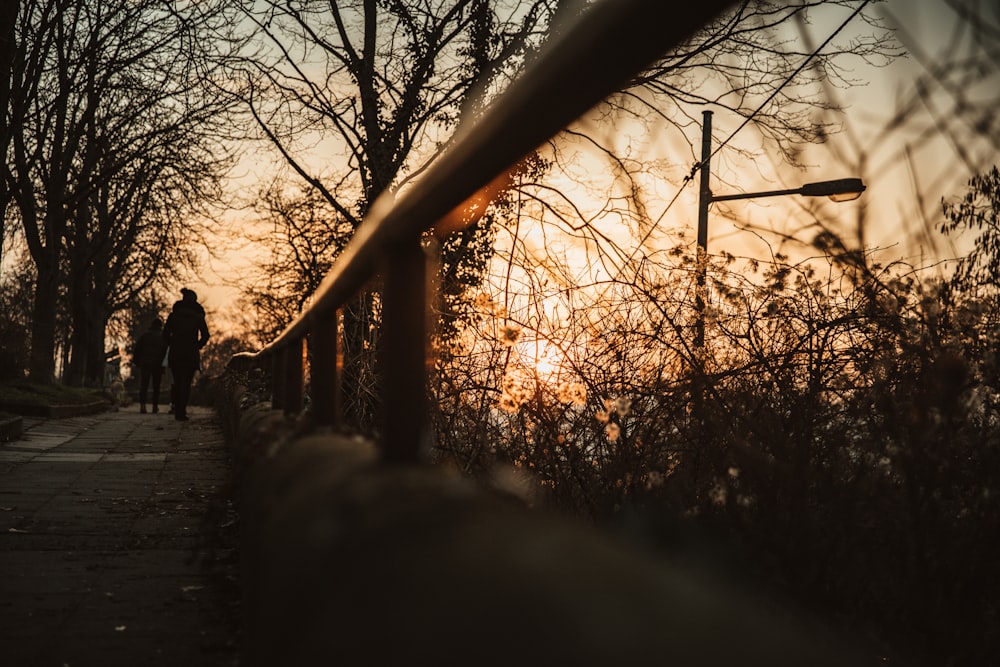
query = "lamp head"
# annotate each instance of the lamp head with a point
(843, 189)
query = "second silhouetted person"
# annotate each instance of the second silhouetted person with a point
(148, 356)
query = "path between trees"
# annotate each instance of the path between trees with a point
(117, 542)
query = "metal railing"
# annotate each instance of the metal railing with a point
(612, 41)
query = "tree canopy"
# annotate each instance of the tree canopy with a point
(117, 150)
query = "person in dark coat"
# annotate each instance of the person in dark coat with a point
(148, 354)
(185, 333)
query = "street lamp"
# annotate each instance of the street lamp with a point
(844, 189)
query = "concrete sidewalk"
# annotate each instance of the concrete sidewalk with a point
(117, 543)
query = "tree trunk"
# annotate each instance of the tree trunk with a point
(89, 325)
(75, 373)
(42, 364)
(8, 18)
(94, 371)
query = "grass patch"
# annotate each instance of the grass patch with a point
(23, 392)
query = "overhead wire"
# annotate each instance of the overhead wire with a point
(788, 79)
(698, 165)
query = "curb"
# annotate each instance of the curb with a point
(55, 411)
(11, 428)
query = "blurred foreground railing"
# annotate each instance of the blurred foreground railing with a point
(613, 41)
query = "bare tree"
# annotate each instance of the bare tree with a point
(979, 210)
(301, 235)
(103, 94)
(382, 84)
(138, 226)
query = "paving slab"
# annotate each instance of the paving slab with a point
(118, 543)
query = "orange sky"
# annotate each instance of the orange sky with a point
(893, 216)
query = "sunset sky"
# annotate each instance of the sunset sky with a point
(894, 163)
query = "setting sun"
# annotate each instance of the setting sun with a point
(544, 357)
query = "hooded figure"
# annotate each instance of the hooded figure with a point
(185, 334)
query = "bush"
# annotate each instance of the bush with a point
(843, 433)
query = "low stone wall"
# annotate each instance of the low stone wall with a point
(56, 411)
(11, 427)
(346, 561)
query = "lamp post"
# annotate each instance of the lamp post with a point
(844, 189)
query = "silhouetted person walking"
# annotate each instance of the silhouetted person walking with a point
(148, 354)
(185, 333)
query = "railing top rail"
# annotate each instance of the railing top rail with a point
(612, 41)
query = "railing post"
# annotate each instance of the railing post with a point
(278, 379)
(404, 353)
(323, 381)
(294, 361)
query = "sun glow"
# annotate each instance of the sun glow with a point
(544, 358)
